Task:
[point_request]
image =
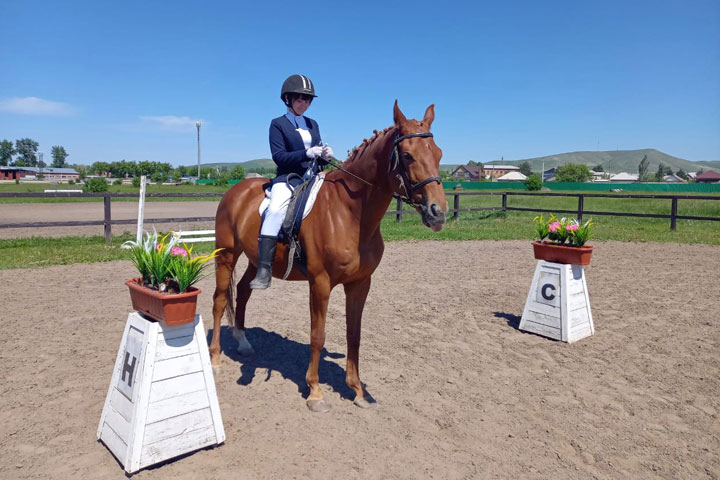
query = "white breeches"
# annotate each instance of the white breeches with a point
(275, 213)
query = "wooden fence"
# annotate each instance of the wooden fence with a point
(107, 221)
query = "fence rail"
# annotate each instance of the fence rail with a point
(108, 222)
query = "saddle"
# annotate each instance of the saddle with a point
(301, 202)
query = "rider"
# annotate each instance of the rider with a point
(295, 143)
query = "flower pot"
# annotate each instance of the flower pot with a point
(562, 253)
(169, 308)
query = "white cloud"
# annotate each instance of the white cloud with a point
(170, 122)
(35, 106)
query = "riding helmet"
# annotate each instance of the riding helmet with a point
(297, 84)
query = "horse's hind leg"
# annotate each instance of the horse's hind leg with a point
(224, 266)
(355, 295)
(243, 295)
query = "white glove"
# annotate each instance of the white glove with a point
(327, 152)
(314, 152)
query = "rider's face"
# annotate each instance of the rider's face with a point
(300, 104)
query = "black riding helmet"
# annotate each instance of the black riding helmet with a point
(299, 84)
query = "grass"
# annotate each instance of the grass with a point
(486, 225)
(37, 252)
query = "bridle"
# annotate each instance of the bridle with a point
(403, 174)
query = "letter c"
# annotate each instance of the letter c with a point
(545, 288)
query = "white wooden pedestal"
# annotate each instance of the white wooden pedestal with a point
(162, 400)
(558, 305)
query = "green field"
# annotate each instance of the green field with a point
(484, 225)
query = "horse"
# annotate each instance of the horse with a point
(340, 236)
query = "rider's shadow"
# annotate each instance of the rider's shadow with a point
(289, 358)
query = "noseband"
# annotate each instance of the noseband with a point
(404, 175)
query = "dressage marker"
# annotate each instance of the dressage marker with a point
(558, 305)
(162, 400)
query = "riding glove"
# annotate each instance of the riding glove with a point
(327, 152)
(314, 152)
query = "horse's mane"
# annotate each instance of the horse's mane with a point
(356, 153)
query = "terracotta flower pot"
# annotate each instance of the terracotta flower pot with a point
(562, 253)
(169, 308)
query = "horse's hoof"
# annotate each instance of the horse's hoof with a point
(318, 406)
(366, 402)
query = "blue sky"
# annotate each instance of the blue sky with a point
(514, 79)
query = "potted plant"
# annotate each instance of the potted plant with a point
(565, 242)
(164, 290)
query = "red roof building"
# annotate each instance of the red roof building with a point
(708, 176)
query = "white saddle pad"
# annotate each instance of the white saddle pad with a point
(311, 199)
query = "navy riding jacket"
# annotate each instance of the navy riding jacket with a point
(287, 147)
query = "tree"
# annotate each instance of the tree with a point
(6, 152)
(59, 155)
(572, 173)
(598, 168)
(525, 169)
(472, 163)
(681, 173)
(237, 173)
(662, 171)
(642, 168)
(99, 168)
(27, 149)
(533, 182)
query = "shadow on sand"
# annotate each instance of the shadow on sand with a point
(289, 358)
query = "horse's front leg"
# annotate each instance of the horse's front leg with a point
(224, 266)
(319, 295)
(243, 295)
(355, 295)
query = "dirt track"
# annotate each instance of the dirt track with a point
(68, 212)
(462, 392)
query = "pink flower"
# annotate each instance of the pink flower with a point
(554, 227)
(572, 227)
(179, 251)
(159, 247)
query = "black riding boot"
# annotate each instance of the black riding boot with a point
(266, 255)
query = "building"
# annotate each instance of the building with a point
(549, 175)
(49, 173)
(708, 176)
(468, 172)
(512, 177)
(497, 171)
(673, 179)
(624, 177)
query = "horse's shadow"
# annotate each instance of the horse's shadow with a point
(289, 358)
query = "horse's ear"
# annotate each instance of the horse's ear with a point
(398, 115)
(429, 115)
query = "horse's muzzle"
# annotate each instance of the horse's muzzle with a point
(433, 216)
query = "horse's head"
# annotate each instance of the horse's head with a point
(415, 164)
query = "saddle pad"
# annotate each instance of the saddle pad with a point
(311, 199)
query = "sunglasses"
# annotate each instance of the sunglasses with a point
(302, 96)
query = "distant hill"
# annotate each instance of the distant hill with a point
(616, 161)
(249, 166)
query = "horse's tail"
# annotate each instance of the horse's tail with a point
(230, 307)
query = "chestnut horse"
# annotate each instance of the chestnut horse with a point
(340, 237)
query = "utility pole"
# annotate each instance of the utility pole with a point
(197, 124)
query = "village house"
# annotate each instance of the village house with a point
(707, 176)
(476, 172)
(468, 172)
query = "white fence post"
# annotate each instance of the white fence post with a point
(141, 209)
